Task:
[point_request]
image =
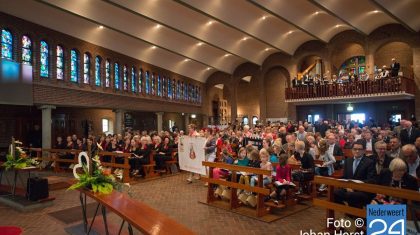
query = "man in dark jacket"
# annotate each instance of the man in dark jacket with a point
(409, 134)
(361, 168)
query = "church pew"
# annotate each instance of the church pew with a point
(332, 207)
(149, 169)
(113, 164)
(261, 210)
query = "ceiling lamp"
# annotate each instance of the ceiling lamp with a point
(350, 108)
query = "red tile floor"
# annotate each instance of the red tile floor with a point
(177, 199)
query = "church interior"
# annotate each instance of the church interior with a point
(209, 117)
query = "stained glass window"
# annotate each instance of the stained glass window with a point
(178, 90)
(163, 86)
(98, 62)
(6, 44)
(173, 89)
(186, 92)
(26, 50)
(199, 95)
(153, 84)
(182, 91)
(125, 78)
(117, 76)
(169, 88)
(86, 68)
(159, 86)
(60, 62)
(74, 75)
(353, 65)
(140, 80)
(44, 60)
(107, 73)
(133, 80)
(147, 83)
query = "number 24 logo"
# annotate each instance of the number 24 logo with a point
(385, 226)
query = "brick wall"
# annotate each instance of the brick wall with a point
(248, 98)
(344, 52)
(274, 92)
(398, 50)
(20, 27)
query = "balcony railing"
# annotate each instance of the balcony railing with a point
(400, 85)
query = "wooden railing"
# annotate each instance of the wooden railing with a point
(331, 206)
(400, 84)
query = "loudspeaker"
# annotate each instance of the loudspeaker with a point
(37, 189)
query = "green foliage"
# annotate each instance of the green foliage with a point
(98, 182)
(16, 162)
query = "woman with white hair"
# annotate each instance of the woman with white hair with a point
(395, 176)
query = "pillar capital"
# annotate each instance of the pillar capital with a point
(47, 106)
(159, 113)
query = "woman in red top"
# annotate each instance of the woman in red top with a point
(283, 177)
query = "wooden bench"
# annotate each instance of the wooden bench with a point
(331, 206)
(137, 214)
(261, 209)
(173, 161)
(56, 154)
(149, 169)
(125, 166)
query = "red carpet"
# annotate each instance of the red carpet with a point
(10, 230)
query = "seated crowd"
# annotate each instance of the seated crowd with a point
(387, 156)
(383, 156)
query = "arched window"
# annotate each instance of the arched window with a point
(178, 90)
(26, 50)
(159, 86)
(153, 84)
(125, 78)
(147, 83)
(169, 88)
(98, 62)
(354, 65)
(140, 80)
(186, 92)
(117, 76)
(182, 91)
(245, 120)
(133, 80)
(107, 73)
(60, 62)
(86, 68)
(74, 66)
(176, 84)
(164, 87)
(173, 89)
(254, 120)
(199, 95)
(44, 65)
(6, 44)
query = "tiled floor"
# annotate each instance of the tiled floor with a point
(175, 198)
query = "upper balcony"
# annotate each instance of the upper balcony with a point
(361, 91)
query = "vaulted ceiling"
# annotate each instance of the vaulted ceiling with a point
(196, 38)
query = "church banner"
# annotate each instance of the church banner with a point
(191, 154)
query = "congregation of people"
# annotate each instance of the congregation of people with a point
(381, 155)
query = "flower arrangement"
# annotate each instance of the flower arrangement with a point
(17, 158)
(95, 177)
